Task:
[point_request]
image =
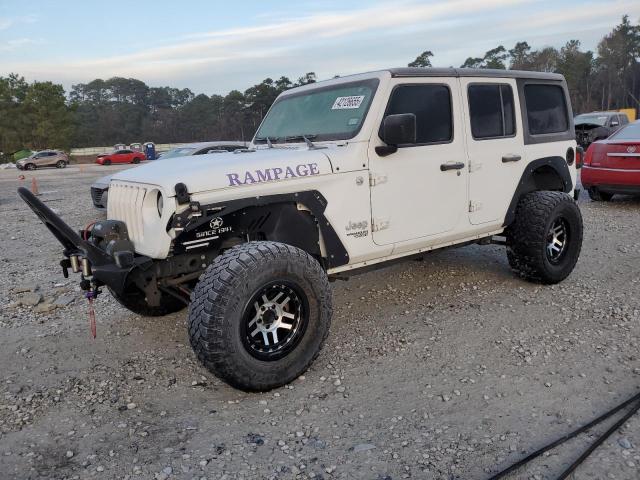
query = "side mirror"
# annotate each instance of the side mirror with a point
(399, 129)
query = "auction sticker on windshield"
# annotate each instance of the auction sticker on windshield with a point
(351, 102)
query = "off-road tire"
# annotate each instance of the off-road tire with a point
(135, 302)
(219, 302)
(527, 236)
(598, 196)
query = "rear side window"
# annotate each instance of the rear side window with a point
(431, 105)
(546, 109)
(491, 110)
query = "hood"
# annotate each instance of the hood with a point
(202, 173)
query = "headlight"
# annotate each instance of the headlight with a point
(160, 204)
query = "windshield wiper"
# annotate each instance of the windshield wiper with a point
(307, 140)
(269, 141)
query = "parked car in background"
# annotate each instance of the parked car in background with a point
(594, 126)
(44, 158)
(121, 156)
(612, 166)
(99, 189)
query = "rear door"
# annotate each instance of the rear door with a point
(421, 190)
(495, 145)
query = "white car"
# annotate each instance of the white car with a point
(100, 188)
(343, 175)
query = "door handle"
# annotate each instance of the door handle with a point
(511, 158)
(451, 166)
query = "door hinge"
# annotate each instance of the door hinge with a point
(375, 179)
(380, 224)
(475, 206)
(474, 166)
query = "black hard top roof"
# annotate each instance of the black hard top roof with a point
(472, 72)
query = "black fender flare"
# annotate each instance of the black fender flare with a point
(280, 226)
(548, 173)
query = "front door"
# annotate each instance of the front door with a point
(421, 190)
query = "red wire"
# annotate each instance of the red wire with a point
(86, 229)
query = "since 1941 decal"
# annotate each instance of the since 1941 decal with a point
(271, 174)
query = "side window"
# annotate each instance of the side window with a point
(546, 109)
(491, 111)
(431, 105)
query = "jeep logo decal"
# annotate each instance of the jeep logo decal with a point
(271, 174)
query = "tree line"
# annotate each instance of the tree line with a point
(105, 112)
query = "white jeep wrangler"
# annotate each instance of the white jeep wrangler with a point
(342, 175)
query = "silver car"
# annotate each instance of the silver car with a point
(44, 158)
(100, 188)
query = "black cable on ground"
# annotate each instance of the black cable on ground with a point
(575, 433)
(598, 442)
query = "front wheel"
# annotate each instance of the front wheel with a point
(545, 239)
(106, 162)
(260, 314)
(30, 166)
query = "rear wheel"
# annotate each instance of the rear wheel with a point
(598, 196)
(545, 239)
(136, 160)
(135, 301)
(260, 314)
(61, 164)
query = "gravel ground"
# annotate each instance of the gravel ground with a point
(448, 368)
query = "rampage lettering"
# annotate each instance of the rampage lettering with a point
(271, 174)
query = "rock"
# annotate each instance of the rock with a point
(30, 299)
(64, 300)
(29, 287)
(362, 447)
(44, 308)
(131, 406)
(69, 454)
(624, 443)
(254, 438)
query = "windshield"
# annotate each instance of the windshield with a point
(328, 113)
(178, 152)
(630, 132)
(594, 119)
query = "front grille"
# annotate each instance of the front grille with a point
(125, 204)
(96, 196)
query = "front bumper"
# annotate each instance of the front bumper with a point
(107, 259)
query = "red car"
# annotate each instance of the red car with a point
(121, 156)
(613, 165)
